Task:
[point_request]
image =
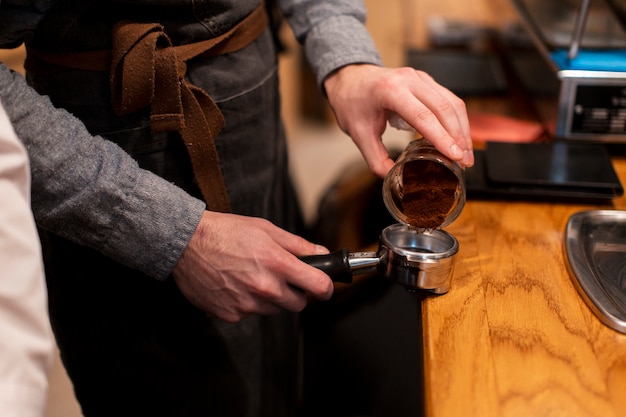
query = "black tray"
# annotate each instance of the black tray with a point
(557, 171)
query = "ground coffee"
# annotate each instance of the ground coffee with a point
(429, 191)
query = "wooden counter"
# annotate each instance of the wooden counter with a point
(513, 337)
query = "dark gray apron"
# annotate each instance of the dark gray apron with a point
(132, 345)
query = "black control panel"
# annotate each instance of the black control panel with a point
(599, 109)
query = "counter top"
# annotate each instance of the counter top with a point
(513, 337)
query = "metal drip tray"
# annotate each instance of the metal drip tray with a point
(595, 245)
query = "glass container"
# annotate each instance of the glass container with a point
(425, 189)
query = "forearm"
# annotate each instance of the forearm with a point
(89, 190)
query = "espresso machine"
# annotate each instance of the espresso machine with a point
(583, 44)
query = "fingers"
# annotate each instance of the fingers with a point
(436, 113)
(294, 244)
(311, 280)
(460, 110)
(295, 272)
(266, 299)
(374, 152)
(453, 117)
(363, 95)
(289, 290)
(278, 296)
(378, 163)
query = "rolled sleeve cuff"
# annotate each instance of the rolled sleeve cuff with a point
(163, 217)
(337, 42)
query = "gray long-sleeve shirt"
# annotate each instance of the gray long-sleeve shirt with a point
(89, 190)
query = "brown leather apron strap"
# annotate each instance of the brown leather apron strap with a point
(147, 70)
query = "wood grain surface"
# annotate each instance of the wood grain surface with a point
(513, 337)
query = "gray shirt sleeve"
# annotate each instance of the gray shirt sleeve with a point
(89, 190)
(332, 33)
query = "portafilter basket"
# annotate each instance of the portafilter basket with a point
(415, 260)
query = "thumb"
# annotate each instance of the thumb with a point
(374, 152)
(293, 243)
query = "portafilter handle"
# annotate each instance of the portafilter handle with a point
(342, 265)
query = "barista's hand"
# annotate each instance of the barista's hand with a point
(235, 266)
(364, 96)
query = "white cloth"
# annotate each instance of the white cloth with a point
(26, 342)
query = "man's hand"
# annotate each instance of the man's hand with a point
(235, 266)
(364, 96)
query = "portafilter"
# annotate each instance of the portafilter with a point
(415, 260)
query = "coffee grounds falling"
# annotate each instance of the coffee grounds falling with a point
(429, 191)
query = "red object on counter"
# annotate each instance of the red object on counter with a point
(496, 128)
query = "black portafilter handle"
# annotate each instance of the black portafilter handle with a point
(336, 265)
